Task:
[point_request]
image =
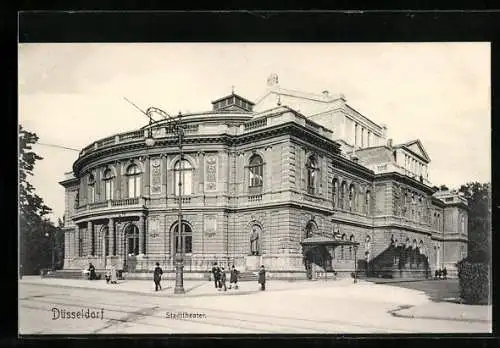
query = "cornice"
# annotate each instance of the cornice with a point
(223, 139)
(404, 179)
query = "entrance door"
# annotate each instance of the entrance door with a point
(130, 248)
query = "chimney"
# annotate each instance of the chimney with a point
(325, 94)
(389, 143)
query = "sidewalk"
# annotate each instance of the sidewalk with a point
(405, 303)
(193, 288)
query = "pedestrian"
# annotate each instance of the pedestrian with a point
(223, 279)
(445, 272)
(20, 271)
(157, 276)
(233, 278)
(113, 275)
(262, 278)
(214, 273)
(92, 274)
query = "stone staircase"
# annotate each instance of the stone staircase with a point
(247, 276)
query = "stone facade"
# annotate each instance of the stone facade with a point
(275, 174)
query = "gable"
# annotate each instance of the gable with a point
(417, 148)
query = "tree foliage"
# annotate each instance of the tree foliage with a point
(479, 221)
(38, 236)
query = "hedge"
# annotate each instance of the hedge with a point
(474, 282)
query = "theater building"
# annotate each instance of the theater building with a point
(278, 181)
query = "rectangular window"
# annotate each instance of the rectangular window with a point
(91, 194)
(188, 244)
(108, 191)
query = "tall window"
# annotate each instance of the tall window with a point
(108, 185)
(187, 238)
(351, 239)
(80, 246)
(343, 191)
(335, 189)
(255, 171)
(311, 229)
(342, 247)
(185, 169)
(132, 239)
(91, 188)
(462, 224)
(367, 202)
(312, 169)
(134, 181)
(352, 197)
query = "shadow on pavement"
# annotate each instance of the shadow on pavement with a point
(438, 290)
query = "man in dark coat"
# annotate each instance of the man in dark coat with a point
(223, 279)
(215, 273)
(234, 278)
(157, 276)
(92, 274)
(262, 278)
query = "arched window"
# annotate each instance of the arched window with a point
(187, 238)
(335, 189)
(185, 169)
(91, 183)
(132, 240)
(351, 239)
(352, 197)
(134, 181)
(312, 169)
(108, 185)
(311, 229)
(255, 171)
(462, 224)
(343, 192)
(421, 247)
(368, 202)
(368, 242)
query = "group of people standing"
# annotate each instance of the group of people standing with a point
(219, 276)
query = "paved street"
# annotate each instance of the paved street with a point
(285, 307)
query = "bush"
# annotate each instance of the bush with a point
(474, 281)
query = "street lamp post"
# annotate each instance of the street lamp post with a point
(179, 257)
(179, 247)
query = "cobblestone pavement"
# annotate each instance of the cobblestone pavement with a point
(285, 307)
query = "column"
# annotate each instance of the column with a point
(147, 176)
(119, 178)
(355, 139)
(201, 172)
(77, 241)
(111, 236)
(90, 239)
(141, 234)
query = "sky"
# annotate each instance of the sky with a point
(73, 94)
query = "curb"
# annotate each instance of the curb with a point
(394, 313)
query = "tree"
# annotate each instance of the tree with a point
(479, 224)
(35, 246)
(443, 188)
